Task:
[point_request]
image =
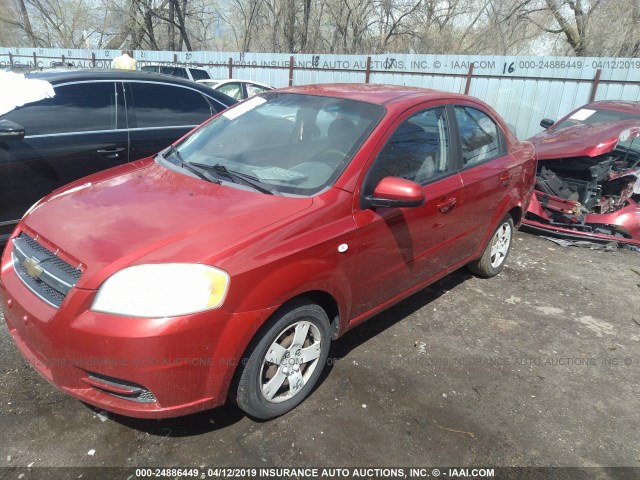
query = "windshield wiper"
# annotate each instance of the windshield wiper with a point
(235, 176)
(187, 166)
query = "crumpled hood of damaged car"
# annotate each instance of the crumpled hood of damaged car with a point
(581, 140)
(149, 214)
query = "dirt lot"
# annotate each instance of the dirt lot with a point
(538, 366)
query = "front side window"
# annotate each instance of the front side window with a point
(418, 150)
(296, 144)
(479, 136)
(79, 107)
(159, 105)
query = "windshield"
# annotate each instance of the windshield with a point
(292, 143)
(588, 116)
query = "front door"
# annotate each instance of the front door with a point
(406, 246)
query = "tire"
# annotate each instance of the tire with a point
(284, 362)
(496, 252)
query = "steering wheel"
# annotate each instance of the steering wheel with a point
(317, 173)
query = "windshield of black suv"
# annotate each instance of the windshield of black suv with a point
(287, 143)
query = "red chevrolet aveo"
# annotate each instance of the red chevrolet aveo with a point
(224, 266)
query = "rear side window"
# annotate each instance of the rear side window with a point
(157, 105)
(479, 135)
(80, 107)
(198, 74)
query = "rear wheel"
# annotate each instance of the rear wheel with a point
(495, 254)
(285, 361)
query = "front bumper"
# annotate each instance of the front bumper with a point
(628, 218)
(147, 368)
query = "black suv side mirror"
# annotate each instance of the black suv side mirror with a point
(546, 123)
(11, 130)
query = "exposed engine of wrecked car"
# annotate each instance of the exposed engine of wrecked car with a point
(568, 189)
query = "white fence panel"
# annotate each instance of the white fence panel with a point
(522, 89)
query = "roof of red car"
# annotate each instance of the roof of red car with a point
(369, 92)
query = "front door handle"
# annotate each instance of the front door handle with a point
(111, 153)
(505, 178)
(446, 204)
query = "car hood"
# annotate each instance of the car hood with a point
(583, 140)
(145, 213)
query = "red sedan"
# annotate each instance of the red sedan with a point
(224, 266)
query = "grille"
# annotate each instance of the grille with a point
(44, 273)
(39, 287)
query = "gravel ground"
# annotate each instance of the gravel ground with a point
(536, 367)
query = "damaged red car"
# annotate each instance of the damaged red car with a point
(588, 175)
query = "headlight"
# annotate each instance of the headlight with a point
(162, 290)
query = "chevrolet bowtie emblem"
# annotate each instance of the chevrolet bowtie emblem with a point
(32, 266)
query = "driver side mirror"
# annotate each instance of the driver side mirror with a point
(395, 192)
(11, 130)
(546, 123)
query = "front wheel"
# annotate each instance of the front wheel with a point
(495, 254)
(284, 362)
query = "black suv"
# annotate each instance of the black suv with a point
(96, 120)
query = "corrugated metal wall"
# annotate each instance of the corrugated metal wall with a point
(522, 89)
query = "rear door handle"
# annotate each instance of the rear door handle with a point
(505, 178)
(445, 205)
(112, 153)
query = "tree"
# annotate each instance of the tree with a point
(16, 27)
(565, 27)
(569, 18)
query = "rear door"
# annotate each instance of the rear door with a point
(81, 130)
(487, 171)
(160, 113)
